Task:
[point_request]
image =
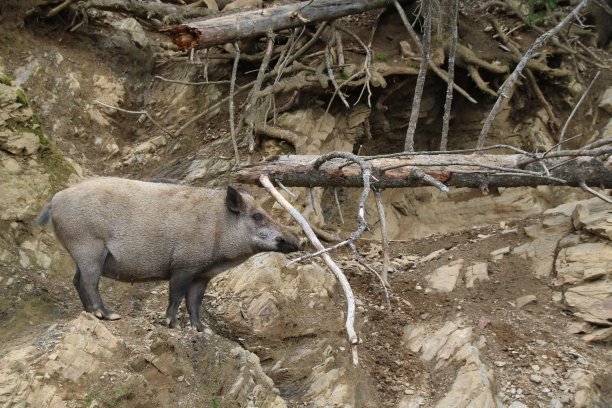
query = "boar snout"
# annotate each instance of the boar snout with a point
(287, 243)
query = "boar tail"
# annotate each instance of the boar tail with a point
(45, 215)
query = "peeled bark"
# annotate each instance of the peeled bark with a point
(253, 23)
(458, 170)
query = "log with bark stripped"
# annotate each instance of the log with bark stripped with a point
(252, 23)
(458, 170)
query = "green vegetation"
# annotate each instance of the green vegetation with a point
(21, 97)
(5, 80)
(381, 57)
(539, 10)
(54, 162)
(51, 158)
(109, 398)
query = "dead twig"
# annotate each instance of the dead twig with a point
(363, 263)
(137, 113)
(231, 102)
(384, 237)
(174, 81)
(420, 83)
(573, 112)
(251, 108)
(346, 286)
(595, 193)
(532, 81)
(56, 10)
(415, 38)
(451, 74)
(513, 78)
(338, 206)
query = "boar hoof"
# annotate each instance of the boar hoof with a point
(199, 326)
(106, 316)
(171, 323)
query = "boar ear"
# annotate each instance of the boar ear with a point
(233, 200)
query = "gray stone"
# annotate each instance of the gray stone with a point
(583, 262)
(606, 101)
(134, 29)
(525, 300)
(476, 273)
(444, 278)
(592, 301)
(19, 143)
(499, 253)
(406, 49)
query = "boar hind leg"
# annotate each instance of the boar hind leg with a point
(86, 280)
(179, 285)
(194, 298)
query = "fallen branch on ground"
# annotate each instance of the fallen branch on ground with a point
(346, 286)
(253, 23)
(593, 167)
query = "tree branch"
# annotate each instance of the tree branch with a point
(346, 286)
(513, 78)
(594, 167)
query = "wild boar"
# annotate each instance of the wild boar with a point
(133, 231)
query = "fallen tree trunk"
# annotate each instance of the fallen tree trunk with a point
(458, 170)
(253, 23)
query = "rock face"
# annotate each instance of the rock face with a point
(572, 246)
(474, 384)
(84, 353)
(31, 169)
(277, 303)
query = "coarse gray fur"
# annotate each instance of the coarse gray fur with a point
(133, 231)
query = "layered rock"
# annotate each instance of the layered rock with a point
(85, 355)
(272, 302)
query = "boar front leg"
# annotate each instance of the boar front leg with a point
(179, 285)
(194, 298)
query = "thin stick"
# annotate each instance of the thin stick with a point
(385, 239)
(346, 286)
(532, 81)
(569, 118)
(330, 74)
(339, 46)
(338, 205)
(366, 66)
(240, 89)
(420, 83)
(137, 113)
(363, 263)
(251, 109)
(53, 12)
(588, 189)
(285, 189)
(437, 70)
(174, 81)
(513, 78)
(206, 61)
(451, 74)
(231, 102)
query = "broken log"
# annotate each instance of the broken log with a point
(458, 170)
(252, 23)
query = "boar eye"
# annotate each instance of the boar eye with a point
(257, 217)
